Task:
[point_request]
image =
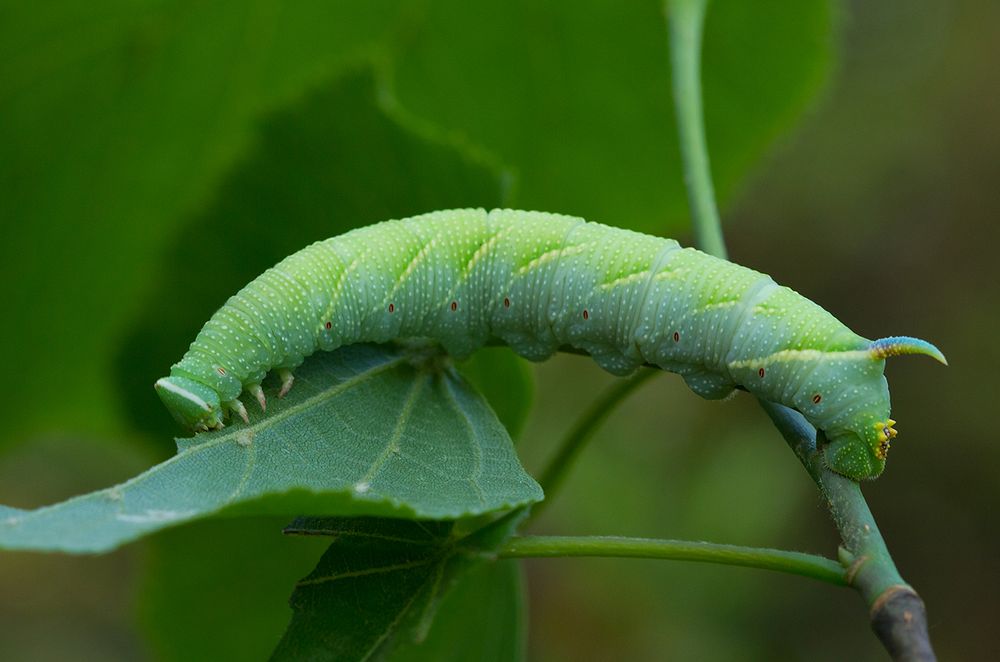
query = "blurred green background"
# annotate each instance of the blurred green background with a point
(155, 156)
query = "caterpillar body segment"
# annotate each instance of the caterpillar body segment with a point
(538, 282)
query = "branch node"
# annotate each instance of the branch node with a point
(899, 620)
(856, 565)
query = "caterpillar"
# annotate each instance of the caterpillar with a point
(540, 282)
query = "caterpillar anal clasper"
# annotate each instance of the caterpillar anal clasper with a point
(537, 282)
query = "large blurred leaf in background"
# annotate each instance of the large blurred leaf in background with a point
(577, 96)
(118, 122)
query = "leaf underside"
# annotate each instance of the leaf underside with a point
(365, 431)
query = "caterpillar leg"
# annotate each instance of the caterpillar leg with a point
(256, 391)
(237, 407)
(287, 378)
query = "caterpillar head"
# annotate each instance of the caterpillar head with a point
(859, 456)
(192, 404)
(860, 451)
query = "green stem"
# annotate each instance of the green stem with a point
(897, 612)
(795, 563)
(686, 19)
(864, 552)
(558, 467)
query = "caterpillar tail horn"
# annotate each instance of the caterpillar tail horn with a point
(899, 345)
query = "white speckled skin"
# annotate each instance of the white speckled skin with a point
(541, 281)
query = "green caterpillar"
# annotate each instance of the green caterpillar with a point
(539, 282)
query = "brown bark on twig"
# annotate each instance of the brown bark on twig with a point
(899, 620)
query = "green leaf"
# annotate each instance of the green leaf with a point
(8, 512)
(380, 585)
(577, 95)
(377, 578)
(482, 618)
(366, 430)
(218, 589)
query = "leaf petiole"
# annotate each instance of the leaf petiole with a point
(795, 563)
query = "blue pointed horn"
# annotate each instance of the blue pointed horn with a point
(899, 345)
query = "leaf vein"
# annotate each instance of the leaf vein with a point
(397, 433)
(326, 579)
(477, 451)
